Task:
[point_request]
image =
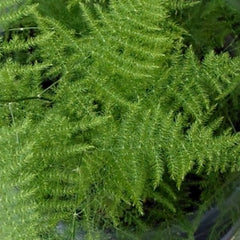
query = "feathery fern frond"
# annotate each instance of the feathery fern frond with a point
(128, 113)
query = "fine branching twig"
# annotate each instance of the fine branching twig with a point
(25, 99)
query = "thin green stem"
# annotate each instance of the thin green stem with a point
(25, 28)
(24, 99)
(13, 120)
(73, 230)
(45, 90)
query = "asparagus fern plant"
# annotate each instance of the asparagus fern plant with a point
(98, 124)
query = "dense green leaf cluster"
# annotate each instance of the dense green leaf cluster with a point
(105, 110)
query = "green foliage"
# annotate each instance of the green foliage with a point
(97, 126)
(211, 25)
